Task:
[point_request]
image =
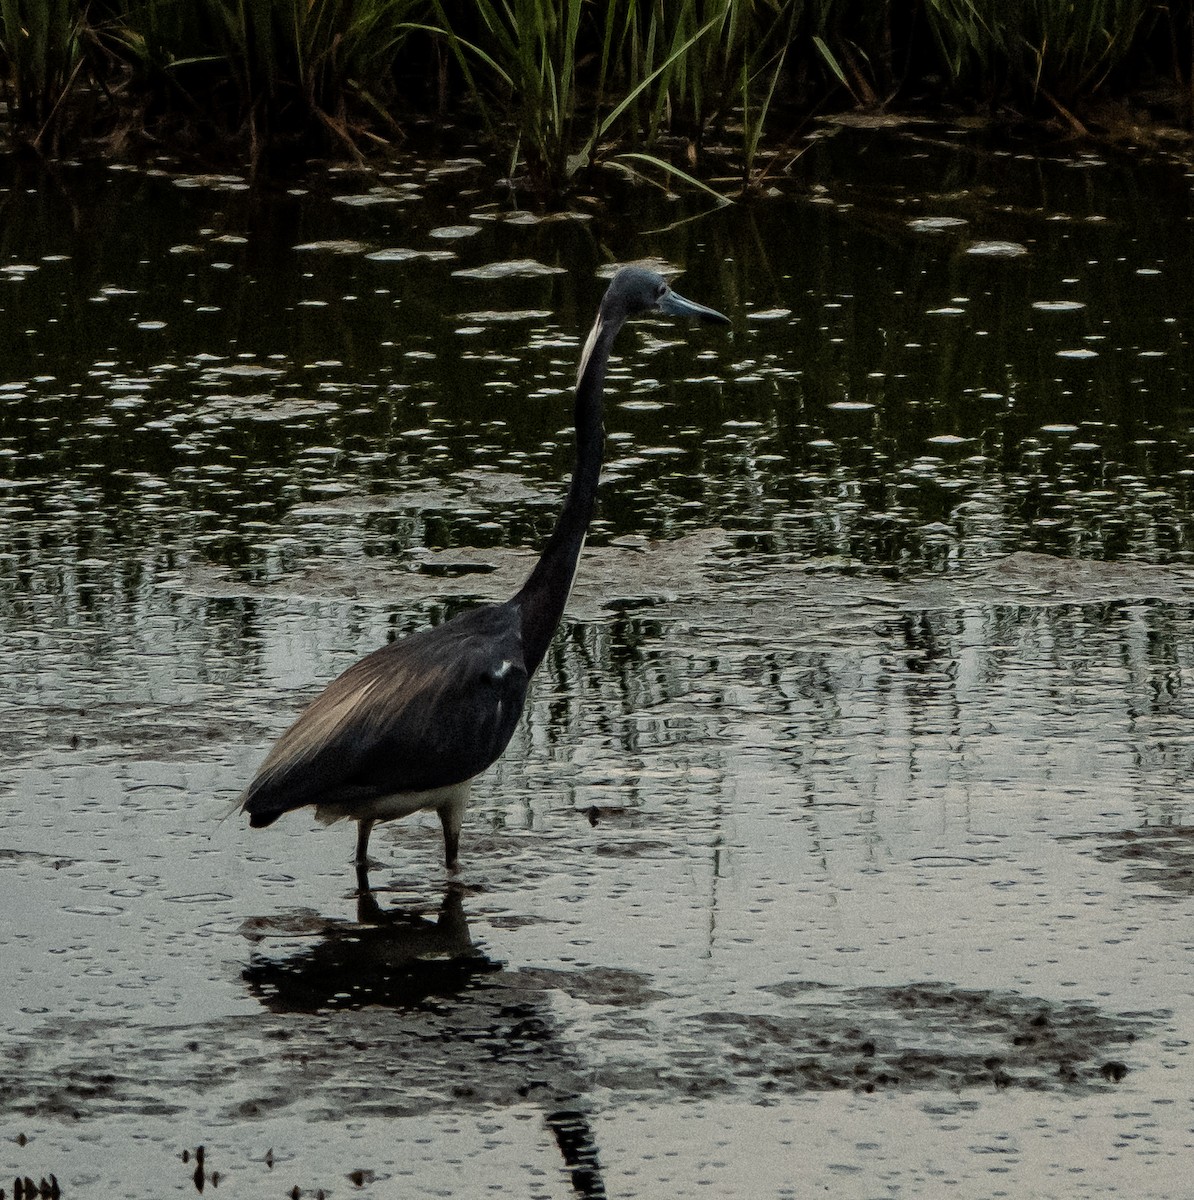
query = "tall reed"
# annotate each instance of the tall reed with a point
(559, 85)
(41, 43)
(1064, 50)
(278, 66)
(527, 52)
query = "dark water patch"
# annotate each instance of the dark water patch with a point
(150, 732)
(633, 848)
(362, 970)
(12, 858)
(1160, 856)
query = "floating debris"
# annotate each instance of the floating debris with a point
(936, 224)
(398, 254)
(1059, 305)
(521, 268)
(997, 249)
(504, 316)
(332, 246)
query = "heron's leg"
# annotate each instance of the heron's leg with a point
(450, 817)
(364, 827)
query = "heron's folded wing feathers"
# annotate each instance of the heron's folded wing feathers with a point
(430, 710)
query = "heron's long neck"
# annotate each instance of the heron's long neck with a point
(543, 596)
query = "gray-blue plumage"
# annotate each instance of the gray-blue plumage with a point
(411, 724)
(454, 691)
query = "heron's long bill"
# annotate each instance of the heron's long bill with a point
(676, 305)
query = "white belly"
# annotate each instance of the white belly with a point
(400, 804)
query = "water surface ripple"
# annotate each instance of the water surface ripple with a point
(845, 844)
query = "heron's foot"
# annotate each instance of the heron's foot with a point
(368, 910)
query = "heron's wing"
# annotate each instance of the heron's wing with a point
(428, 711)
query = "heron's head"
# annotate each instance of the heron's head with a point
(637, 290)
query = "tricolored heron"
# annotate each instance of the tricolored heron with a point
(411, 725)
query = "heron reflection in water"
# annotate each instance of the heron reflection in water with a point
(412, 987)
(409, 727)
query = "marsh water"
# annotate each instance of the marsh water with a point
(844, 847)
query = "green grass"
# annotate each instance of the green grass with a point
(1066, 51)
(271, 67)
(42, 48)
(561, 88)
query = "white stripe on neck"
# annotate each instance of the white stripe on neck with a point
(587, 352)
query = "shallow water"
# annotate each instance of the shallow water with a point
(845, 843)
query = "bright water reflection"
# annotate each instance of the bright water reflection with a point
(823, 794)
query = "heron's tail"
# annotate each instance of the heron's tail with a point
(263, 810)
